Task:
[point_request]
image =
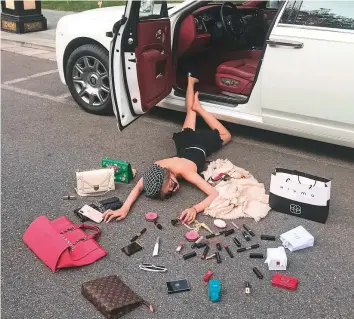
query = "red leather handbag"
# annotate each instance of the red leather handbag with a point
(61, 244)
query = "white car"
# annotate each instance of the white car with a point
(289, 69)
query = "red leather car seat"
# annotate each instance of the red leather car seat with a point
(237, 76)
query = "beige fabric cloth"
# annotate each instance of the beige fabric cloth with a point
(241, 196)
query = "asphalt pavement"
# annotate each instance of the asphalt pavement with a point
(46, 137)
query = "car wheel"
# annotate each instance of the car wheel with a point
(87, 79)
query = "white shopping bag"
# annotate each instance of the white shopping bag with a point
(300, 194)
(297, 238)
(276, 258)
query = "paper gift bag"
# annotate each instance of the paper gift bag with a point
(300, 194)
(297, 238)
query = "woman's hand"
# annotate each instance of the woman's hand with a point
(119, 214)
(188, 215)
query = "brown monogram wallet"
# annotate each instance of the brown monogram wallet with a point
(112, 297)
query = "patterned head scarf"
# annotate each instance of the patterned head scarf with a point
(153, 180)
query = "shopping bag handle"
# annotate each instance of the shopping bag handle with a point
(94, 235)
(302, 174)
(298, 178)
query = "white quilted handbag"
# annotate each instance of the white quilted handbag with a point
(95, 182)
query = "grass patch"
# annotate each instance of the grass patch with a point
(78, 5)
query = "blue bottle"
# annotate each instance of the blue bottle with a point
(214, 290)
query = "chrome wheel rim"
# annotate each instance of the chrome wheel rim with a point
(91, 82)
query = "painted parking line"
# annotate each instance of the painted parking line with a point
(37, 75)
(64, 96)
(34, 94)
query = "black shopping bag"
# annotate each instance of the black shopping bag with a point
(300, 194)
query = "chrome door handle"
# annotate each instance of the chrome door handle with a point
(294, 44)
(159, 34)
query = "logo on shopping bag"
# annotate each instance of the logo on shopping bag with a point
(295, 209)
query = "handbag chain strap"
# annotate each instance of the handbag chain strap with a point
(71, 245)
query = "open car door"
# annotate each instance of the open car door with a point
(140, 60)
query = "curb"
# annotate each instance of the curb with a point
(47, 45)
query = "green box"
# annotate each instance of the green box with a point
(122, 170)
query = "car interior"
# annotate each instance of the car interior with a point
(222, 45)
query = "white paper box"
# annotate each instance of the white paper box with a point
(276, 258)
(297, 238)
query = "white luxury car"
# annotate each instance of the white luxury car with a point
(288, 69)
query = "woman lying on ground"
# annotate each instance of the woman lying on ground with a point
(161, 179)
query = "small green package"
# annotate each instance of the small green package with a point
(123, 172)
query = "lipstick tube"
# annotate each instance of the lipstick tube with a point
(189, 255)
(268, 237)
(208, 276)
(248, 230)
(218, 258)
(206, 250)
(229, 232)
(245, 236)
(229, 251)
(258, 273)
(236, 241)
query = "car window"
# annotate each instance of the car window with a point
(153, 9)
(326, 14)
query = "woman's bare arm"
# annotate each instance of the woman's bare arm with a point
(195, 179)
(122, 212)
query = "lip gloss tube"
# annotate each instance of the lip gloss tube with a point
(210, 256)
(255, 246)
(179, 248)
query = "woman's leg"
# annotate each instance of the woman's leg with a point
(191, 116)
(211, 120)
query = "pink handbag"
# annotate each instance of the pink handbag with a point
(61, 244)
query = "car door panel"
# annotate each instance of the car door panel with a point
(154, 64)
(140, 60)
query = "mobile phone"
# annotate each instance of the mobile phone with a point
(177, 286)
(91, 213)
(132, 248)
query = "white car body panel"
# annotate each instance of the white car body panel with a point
(91, 24)
(310, 89)
(274, 104)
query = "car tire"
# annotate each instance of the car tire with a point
(87, 77)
